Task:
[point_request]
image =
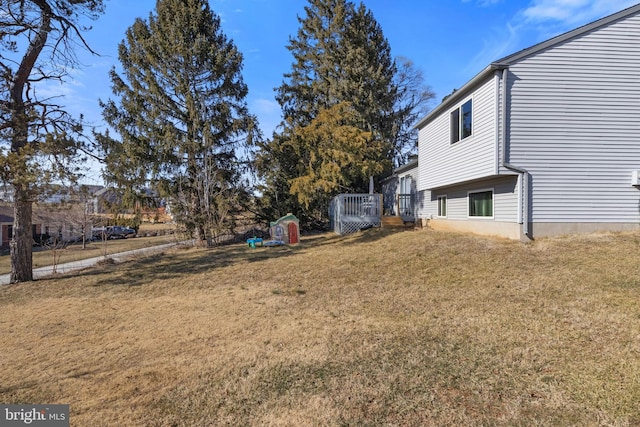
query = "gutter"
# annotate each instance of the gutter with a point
(524, 174)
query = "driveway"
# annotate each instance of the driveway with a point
(41, 272)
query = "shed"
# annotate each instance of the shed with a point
(286, 229)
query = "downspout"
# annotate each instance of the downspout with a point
(524, 174)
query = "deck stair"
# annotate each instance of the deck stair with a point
(392, 222)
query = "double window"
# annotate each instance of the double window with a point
(461, 122)
(481, 204)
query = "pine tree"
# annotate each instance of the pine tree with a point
(335, 153)
(181, 112)
(39, 141)
(340, 56)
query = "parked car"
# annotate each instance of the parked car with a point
(112, 232)
(122, 232)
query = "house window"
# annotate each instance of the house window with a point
(461, 122)
(405, 185)
(442, 205)
(405, 198)
(481, 203)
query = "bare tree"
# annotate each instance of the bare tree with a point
(39, 140)
(412, 101)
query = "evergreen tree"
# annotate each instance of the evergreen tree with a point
(181, 113)
(334, 153)
(39, 140)
(340, 56)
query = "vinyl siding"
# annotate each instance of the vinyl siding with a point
(391, 189)
(505, 200)
(443, 163)
(574, 114)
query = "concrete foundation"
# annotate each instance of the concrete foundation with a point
(487, 228)
(536, 230)
(549, 229)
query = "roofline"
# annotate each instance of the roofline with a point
(412, 164)
(514, 57)
(510, 59)
(454, 97)
(407, 166)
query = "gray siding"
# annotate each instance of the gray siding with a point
(391, 189)
(574, 114)
(505, 200)
(443, 163)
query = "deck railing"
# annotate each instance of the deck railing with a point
(406, 203)
(353, 212)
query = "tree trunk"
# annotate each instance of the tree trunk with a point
(22, 242)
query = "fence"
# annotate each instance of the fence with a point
(349, 213)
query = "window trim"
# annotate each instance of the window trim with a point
(440, 198)
(458, 112)
(493, 203)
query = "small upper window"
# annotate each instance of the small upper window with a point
(461, 122)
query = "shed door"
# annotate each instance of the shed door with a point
(293, 233)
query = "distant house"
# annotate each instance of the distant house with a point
(6, 226)
(543, 142)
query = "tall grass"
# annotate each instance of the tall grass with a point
(411, 328)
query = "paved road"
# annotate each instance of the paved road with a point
(78, 265)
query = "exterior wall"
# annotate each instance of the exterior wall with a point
(407, 207)
(573, 124)
(505, 208)
(499, 229)
(391, 189)
(5, 235)
(442, 163)
(542, 229)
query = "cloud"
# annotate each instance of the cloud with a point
(539, 21)
(499, 43)
(266, 106)
(268, 112)
(484, 3)
(572, 12)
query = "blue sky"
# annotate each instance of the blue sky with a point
(450, 41)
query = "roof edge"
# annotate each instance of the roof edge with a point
(454, 97)
(514, 57)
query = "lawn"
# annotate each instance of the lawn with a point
(75, 252)
(414, 328)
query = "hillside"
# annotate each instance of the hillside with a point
(376, 328)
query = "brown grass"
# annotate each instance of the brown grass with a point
(74, 252)
(405, 329)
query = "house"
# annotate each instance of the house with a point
(399, 191)
(543, 142)
(6, 225)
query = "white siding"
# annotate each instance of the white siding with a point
(413, 173)
(443, 163)
(575, 125)
(505, 200)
